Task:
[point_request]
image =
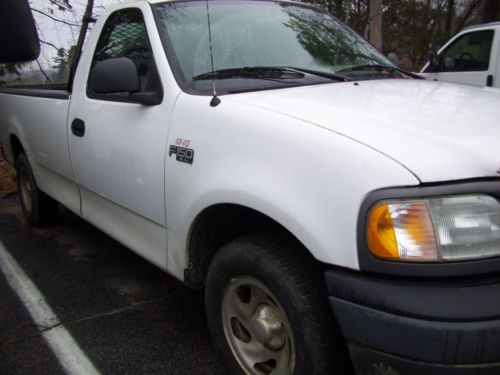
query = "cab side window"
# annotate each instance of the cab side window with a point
(124, 35)
(469, 53)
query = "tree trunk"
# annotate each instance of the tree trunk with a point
(375, 22)
(450, 13)
(339, 9)
(329, 6)
(467, 14)
(491, 9)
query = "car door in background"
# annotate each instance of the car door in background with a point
(470, 58)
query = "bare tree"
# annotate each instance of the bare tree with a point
(467, 15)
(375, 23)
(450, 14)
(490, 11)
(338, 9)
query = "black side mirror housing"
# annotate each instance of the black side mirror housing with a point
(434, 62)
(116, 75)
(120, 75)
(18, 35)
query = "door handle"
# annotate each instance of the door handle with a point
(78, 127)
(489, 81)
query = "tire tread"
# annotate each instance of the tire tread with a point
(300, 269)
(45, 208)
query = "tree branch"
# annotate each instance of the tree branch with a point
(468, 12)
(54, 18)
(49, 44)
(64, 5)
(42, 71)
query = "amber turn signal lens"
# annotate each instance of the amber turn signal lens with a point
(402, 231)
(381, 235)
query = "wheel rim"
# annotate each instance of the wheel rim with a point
(26, 190)
(257, 328)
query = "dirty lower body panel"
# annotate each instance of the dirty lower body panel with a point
(373, 362)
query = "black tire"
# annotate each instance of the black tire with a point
(291, 277)
(39, 209)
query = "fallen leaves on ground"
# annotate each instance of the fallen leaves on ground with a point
(7, 178)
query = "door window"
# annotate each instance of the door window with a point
(469, 53)
(124, 35)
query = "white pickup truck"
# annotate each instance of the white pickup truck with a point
(471, 57)
(339, 213)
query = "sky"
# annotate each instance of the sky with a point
(56, 34)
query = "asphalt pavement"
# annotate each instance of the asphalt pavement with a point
(126, 316)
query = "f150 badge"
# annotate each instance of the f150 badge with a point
(181, 151)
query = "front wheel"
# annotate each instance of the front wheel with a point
(268, 312)
(39, 209)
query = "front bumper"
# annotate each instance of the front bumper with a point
(396, 326)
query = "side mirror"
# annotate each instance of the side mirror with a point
(120, 75)
(112, 76)
(18, 36)
(434, 61)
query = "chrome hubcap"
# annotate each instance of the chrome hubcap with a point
(26, 190)
(269, 330)
(257, 328)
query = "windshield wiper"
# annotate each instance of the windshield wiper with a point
(269, 72)
(378, 68)
(265, 72)
(320, 73)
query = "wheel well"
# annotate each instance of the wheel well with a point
(220, 224)
(15, 146)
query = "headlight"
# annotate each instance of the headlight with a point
(436, 229)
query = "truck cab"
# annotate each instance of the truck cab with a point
(471, 57)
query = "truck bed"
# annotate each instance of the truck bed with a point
(37, 115)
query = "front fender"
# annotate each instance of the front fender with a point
(308, 179)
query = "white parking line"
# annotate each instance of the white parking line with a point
(64, 347)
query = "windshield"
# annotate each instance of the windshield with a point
(257, 34)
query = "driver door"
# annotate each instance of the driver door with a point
(118, 146)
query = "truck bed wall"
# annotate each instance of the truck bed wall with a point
(38, 118)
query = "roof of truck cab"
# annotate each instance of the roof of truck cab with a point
(491, 24)
(173, 1)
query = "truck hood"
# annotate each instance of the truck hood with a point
(438, 131)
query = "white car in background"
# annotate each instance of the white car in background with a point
(471, 57)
